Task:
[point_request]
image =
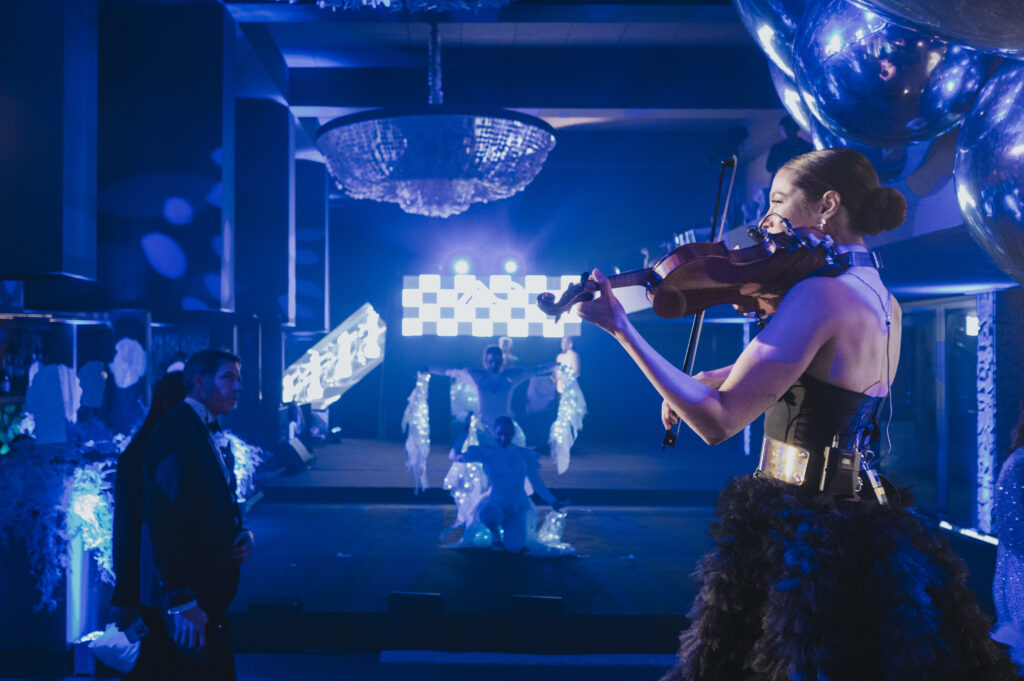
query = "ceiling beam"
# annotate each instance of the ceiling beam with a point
(587, 12)
(268, 54)
(681, 78)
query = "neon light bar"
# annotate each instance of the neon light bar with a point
(968, 532)
(338, 361)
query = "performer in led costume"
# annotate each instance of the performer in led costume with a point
(817, 572)
(505, 508)
(493, 386)
(477, 395)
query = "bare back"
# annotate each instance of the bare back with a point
(862, 354)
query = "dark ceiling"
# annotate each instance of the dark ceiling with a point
(669, 65)
(645, 98)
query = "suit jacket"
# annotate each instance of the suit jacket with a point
(190, 518)
(128, 521)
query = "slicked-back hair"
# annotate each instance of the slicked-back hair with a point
(205, 363)
(873, 208)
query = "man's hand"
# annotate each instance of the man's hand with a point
(190, 628)
(242, 548)
(123, 615)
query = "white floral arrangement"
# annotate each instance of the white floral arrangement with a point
(247, 458)
(52, 492)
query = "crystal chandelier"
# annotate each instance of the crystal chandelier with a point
(436, 160)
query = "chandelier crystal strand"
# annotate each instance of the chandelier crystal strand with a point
(434, 67)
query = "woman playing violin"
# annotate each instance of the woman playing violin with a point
(819, 570)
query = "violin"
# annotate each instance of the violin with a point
(696, 276)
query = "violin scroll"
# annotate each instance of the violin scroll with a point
(574, 293)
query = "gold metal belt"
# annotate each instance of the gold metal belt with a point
(836, 471)
(784, 462)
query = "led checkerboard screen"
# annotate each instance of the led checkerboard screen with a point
(491, 307)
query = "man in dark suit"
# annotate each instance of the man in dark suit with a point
(154, 660)
(192, 536)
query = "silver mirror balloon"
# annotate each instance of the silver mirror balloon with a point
(873, 82)
(989, 169)
(789, 95)
(772, 24)
(987, 25)
(889, 162)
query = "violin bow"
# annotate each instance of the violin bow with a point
(718, 226)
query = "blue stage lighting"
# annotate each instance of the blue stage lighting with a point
(164, 255)
(178, 211)
(511, 266)
(461, 266)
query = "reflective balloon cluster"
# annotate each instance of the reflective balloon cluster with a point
(885, 76)
(773, 23)
(988, 25)
(889, 162)
(873, 82)
(789, 95)
(989, 170)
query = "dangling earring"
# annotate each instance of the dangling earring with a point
(821, 223)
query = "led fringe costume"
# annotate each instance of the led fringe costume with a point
(569, 421)
(467, 481)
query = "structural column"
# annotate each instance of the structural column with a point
(312, 273)
(265, 258)
(48, 98)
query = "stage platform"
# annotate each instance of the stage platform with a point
(373, 471)
(334, 542)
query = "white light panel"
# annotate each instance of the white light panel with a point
(494, 306)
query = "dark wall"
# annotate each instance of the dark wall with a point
(159, 166)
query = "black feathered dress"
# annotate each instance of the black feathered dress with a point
(805, 586)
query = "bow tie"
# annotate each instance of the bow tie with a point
(214, 427)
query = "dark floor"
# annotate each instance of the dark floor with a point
(340, 536)
(348, 557)
(334, 541)
(318, 667)
(348, 572)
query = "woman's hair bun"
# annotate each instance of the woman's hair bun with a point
(884, 208)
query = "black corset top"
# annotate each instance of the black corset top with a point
(812, 412)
